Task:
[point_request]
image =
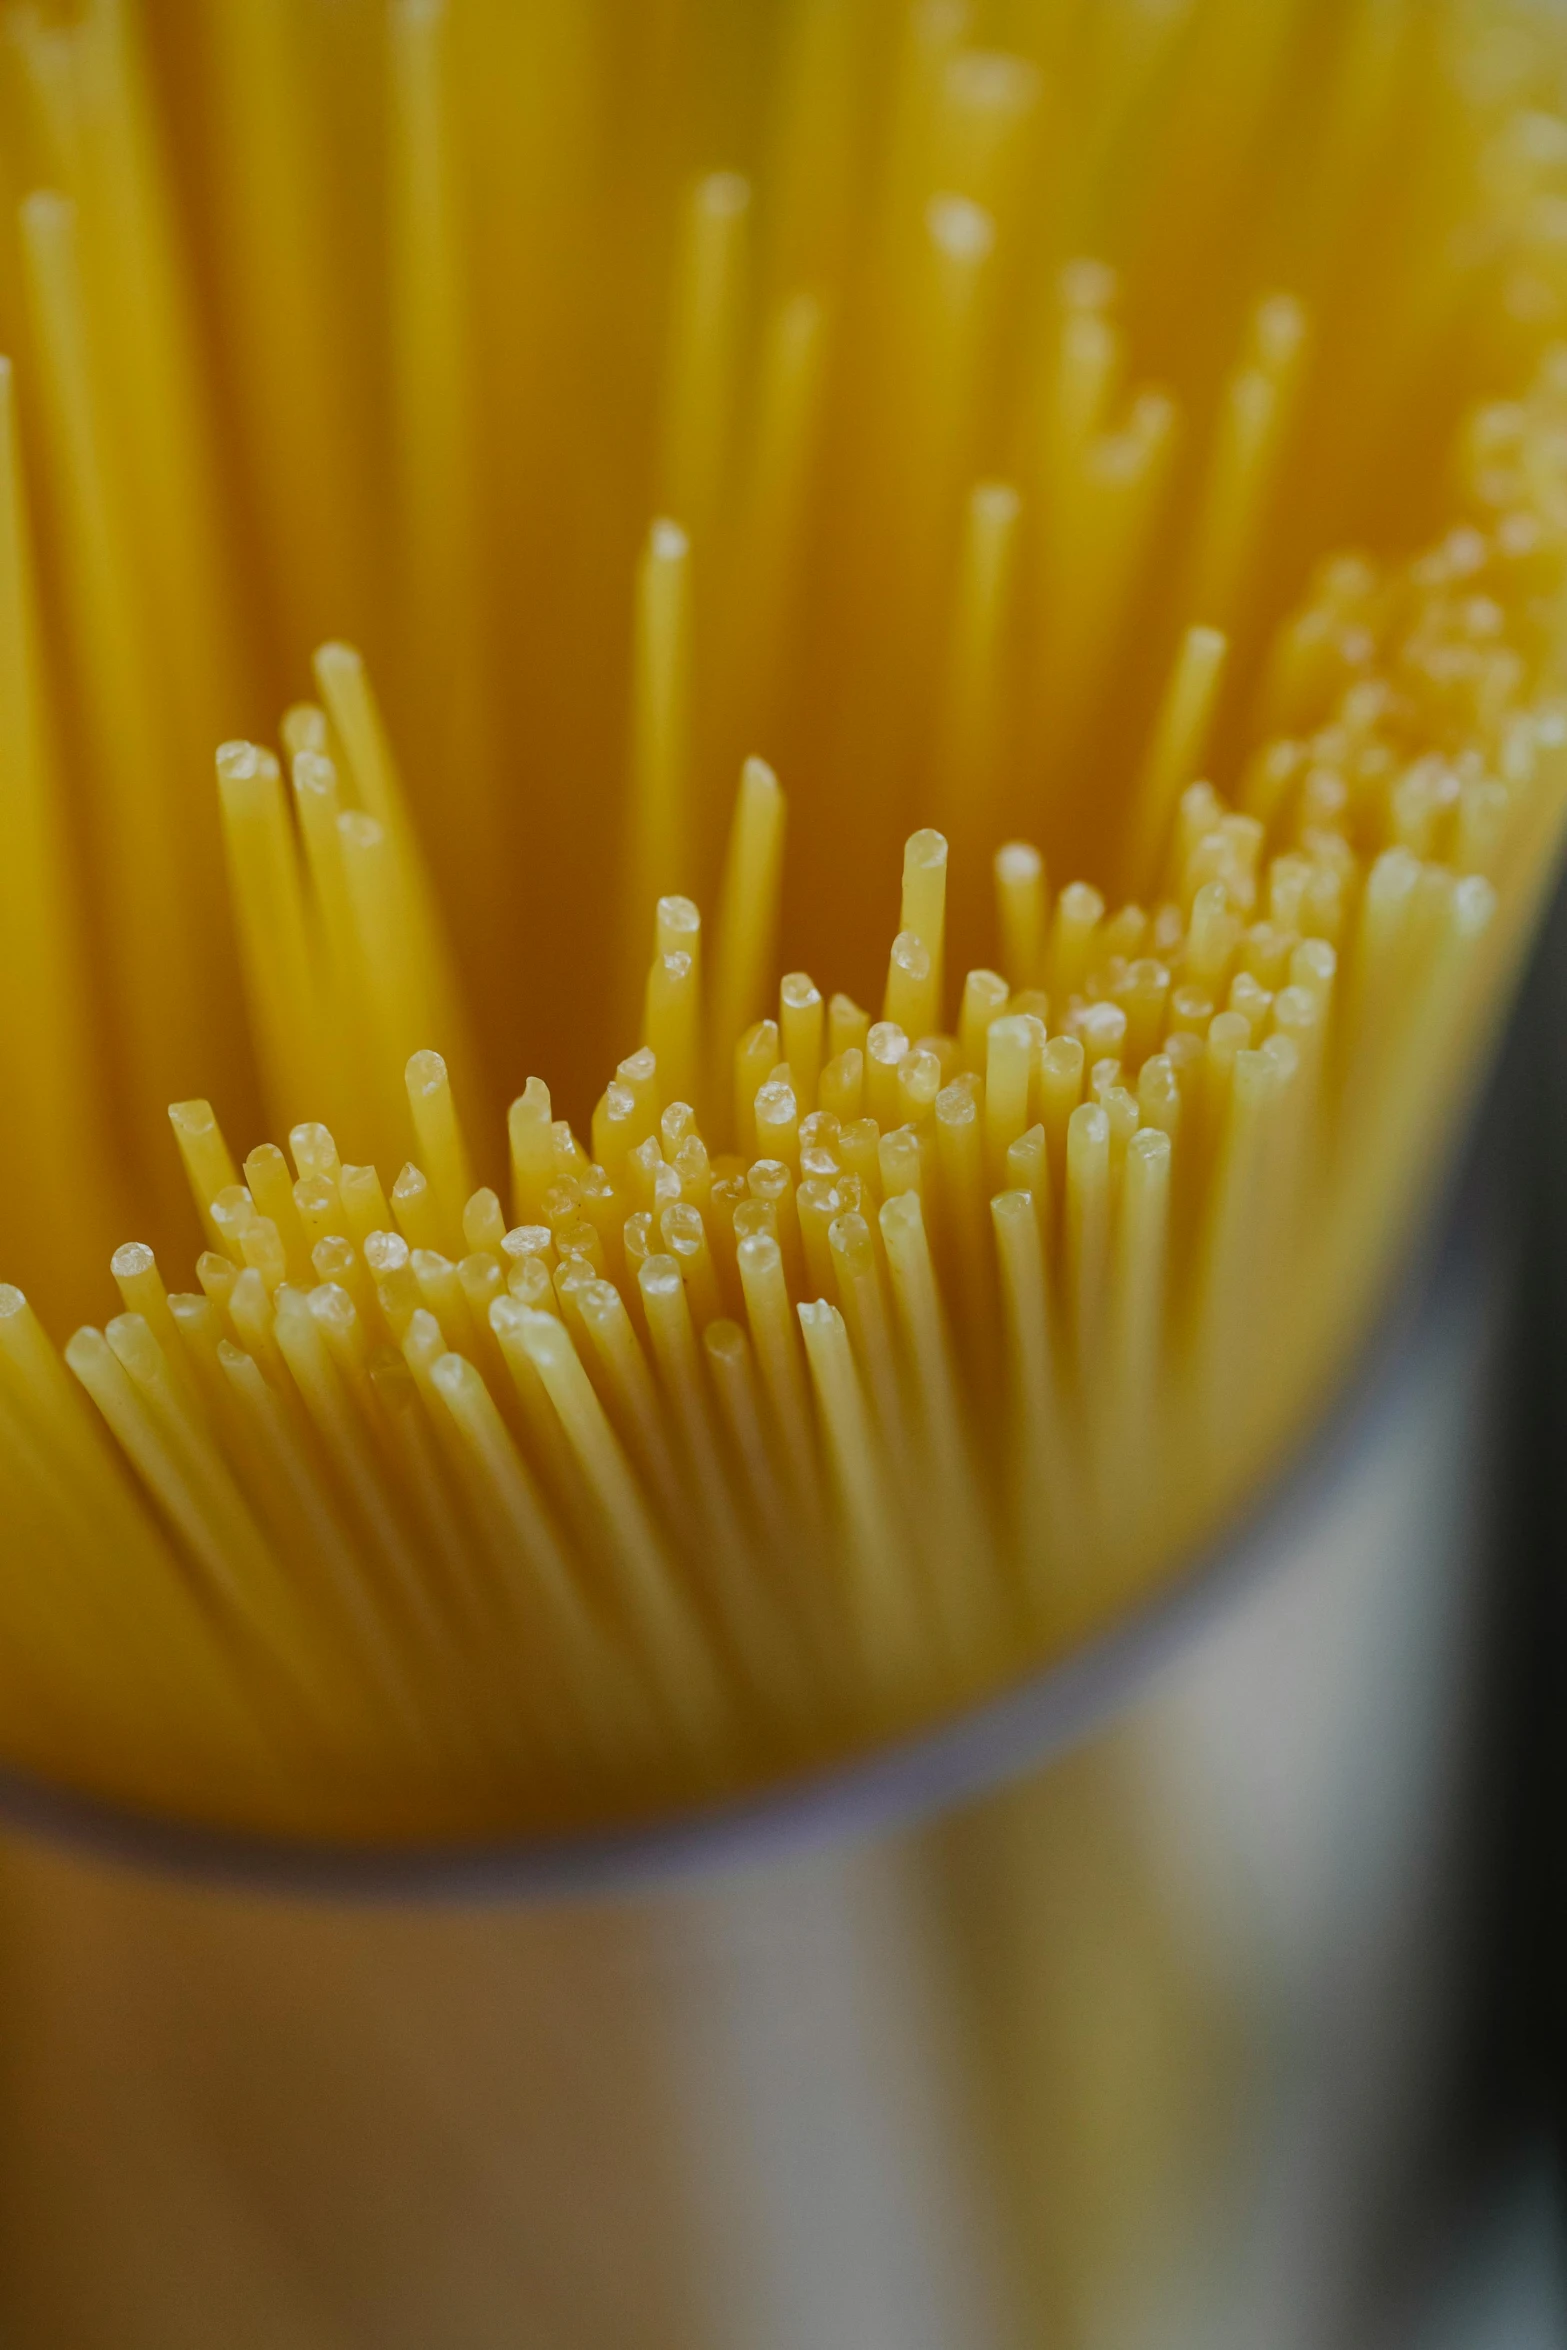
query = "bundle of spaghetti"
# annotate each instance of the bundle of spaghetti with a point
(886, 1326)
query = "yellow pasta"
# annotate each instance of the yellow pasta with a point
(939, 638)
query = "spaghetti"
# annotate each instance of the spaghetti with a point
(885, 1323)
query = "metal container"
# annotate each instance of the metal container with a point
(1123, 2012)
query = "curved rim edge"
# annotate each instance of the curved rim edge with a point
(923, 1773)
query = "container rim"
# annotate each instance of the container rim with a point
(919, 1774)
